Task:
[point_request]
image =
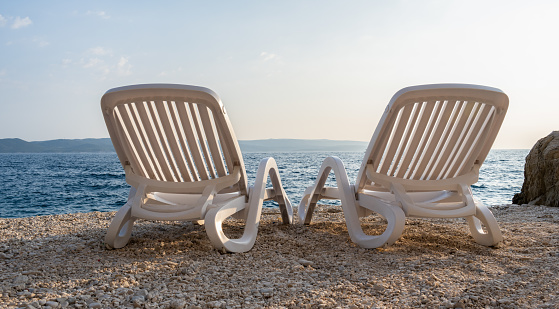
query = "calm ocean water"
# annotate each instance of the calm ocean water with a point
(47, 184)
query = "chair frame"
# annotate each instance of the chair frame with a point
(183, 162)
(465, 118)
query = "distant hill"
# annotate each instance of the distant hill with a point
(16, 145)
(295, 145)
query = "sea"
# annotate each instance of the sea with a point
(38, 184)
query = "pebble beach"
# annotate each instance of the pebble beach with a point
(60, 261)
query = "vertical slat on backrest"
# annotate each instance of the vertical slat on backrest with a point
(187, 138)
(135, 141)
(225, 150)
(160, 144)
(170, 139)
(212, 139)
(128, 149)
(449, 111)
(377, 155)
(383, 146)
(173, 141)
(470, 141)
(142, 137)
(180, 148)
(419, 139)
(403, 154)
(429, 144)
(152, 141)
(479, 139)
(454, 126)
(394, 144)
(193, 144)
(194, 108)
(463, 128)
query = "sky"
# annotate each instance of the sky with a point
(283, 69)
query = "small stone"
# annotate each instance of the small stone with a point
(267, 292)
(142, 292)
(504, 301)
(95, 305)
(177, 304)
(20, 279)
(214, 304)
(305, 262)
(52, 304)
(298, 267)
(378, 287)
(460, 305)
(137, 301)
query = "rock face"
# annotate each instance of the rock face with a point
(541, 174)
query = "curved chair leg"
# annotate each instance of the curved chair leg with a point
(285, 208)
(483, 215)
(394, 215)
(216, 216)
(213, 221)
(312, 194)
(280, 196)
(120, 229)
(303, 211)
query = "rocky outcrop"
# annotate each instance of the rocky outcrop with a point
(541, 174)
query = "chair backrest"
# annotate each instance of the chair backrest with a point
(172, 133)
(434, 132)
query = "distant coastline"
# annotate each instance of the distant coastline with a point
(17, 145)
(301, 145)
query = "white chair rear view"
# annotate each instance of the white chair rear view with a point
(183, 161)
(422, 159)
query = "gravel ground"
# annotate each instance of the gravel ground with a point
(61, 261)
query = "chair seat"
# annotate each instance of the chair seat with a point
(188, 199)
(419, 197)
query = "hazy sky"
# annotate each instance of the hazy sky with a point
(283, 69)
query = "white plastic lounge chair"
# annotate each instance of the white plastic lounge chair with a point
(425, 153)
(182, 159)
